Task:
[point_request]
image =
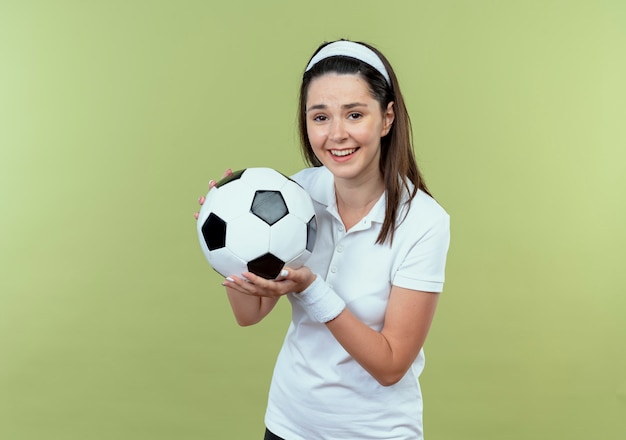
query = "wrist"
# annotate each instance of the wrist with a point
(320, 301)
(308, 283)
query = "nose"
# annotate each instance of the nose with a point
(338, 132)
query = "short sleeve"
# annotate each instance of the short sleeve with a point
(423, 267)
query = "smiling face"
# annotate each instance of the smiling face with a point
(345, 124)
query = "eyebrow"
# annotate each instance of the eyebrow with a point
(344, 107)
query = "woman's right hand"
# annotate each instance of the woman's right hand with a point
(212, 183)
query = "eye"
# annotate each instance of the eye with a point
(319, 118)
(354, 115)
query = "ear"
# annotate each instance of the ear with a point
(388, 117)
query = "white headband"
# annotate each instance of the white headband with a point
(352, 50)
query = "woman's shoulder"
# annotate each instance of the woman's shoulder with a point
(425, 208)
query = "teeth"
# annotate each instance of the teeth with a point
(342, 152)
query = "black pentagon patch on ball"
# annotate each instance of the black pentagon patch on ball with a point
(266, 266)
(269, 206)
(214, 232)
(311, 234)
(234, 176)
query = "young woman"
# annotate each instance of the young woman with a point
(363, 305)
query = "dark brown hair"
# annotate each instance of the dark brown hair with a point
(397, 161)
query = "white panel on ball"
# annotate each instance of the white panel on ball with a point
(299, 202)
(227, 203)
(290, 226)
(299, 261)
(248, 237)
(264, 179)
(225, 263)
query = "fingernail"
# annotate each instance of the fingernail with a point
(211, 183)
(229, 279)
(284, 273)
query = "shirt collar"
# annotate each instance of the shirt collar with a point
(324, 193)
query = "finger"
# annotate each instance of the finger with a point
(262, 286)
(282, 275)
(241, 285)
(201, 200)
(252, 278)
(212, 183)
(228, 281)
(196, 215)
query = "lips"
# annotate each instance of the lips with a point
(343, 153)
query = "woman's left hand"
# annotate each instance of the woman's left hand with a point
(289, 280)
(212, 184)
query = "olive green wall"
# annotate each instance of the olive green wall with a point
(115, 114)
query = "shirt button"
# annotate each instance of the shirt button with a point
(340, 228)
(333, 269)
(340, 248)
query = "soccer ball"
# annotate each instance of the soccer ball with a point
(256, 220)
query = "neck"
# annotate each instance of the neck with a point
(355, 201)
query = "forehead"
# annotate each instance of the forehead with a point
(338, 87)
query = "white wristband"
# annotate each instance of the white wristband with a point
(320, 301)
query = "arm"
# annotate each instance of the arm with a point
(249, 310)
(252, 298)
(387, 355)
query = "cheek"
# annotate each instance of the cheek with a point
(316, 136)
(369, 134)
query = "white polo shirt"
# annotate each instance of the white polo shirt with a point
(318, 391)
